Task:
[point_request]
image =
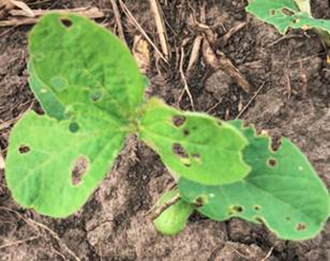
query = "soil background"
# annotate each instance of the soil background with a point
(293, 100)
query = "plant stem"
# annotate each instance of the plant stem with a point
(304, 6)
(165, 206)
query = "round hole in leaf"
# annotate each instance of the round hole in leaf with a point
(257, 207)
(73, 127)
(178, 120)
(66, 22)
(24, 149)
(79, 169)
(236, 209)
(301, 226)
(200, 201)
(186, 132)
(272, 162)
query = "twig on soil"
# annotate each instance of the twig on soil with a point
(38, 226)
(160, 25)
(141, 53)
(5, 7)
(288, 85)
(287, 74)
(240, 104)
(55, 236)
(165, 206)
(18, 19)
(307, 58)
(7, 31)
(118, 20)
(303, 80)
(249, 103)
(139, 27)
(268, 254)
(233, 31)
(203, 12)
(285, 37)
(219, 61)
(207, 31)
(213, 107)
(223, 63)
(227, 114)
(171, 186)
(2, 162)
(7, 124)
(24, 7)
(239, 253)
(186, 87)
(18, 242)
(194, 56)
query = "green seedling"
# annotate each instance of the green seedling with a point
(296, 14)
(92, 93)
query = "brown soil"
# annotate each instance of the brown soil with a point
(113, 225)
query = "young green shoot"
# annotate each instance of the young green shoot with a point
(92, 94)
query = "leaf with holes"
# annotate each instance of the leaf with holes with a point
(285, 14)
(282, 191)
(194, 145)
(79, 63)
(83, 76)
(54, 166)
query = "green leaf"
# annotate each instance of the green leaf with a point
(285, 14)
(194, 145)
(44, 155)
(78, 62)
(174, 218)
(282, 191)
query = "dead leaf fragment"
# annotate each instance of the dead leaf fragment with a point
(2, 163)
(5, 7)
(24, 7)
(141, 53)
